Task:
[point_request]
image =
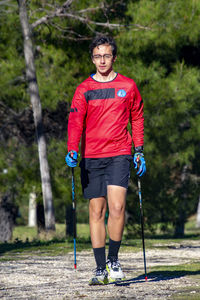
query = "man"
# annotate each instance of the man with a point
(101, 108)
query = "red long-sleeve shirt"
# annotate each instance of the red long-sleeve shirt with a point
(100, 113)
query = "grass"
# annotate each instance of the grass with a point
(184, 269)
(26, 241)
(24, 232)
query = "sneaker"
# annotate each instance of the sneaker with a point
(101, 277)
(114, 270)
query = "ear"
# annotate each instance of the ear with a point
(114, 59)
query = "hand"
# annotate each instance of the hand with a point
(71, 159)
(139, 162)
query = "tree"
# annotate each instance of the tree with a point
(159, 48)
(37, 111)
(34, 94)
(168, 77)
(13, 83)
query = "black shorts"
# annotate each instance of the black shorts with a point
(97, 173)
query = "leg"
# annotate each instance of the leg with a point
(94, 186)
(116, 203)
(97, 211)
(117, 175)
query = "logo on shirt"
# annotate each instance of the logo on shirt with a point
(121, 93)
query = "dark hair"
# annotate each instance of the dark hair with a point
(103, 39)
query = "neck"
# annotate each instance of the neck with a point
(103, 77)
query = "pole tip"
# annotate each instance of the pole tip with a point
(74, 266)
(145, 278)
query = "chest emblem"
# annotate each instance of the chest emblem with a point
(121, 93)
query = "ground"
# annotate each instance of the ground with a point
(50, 277)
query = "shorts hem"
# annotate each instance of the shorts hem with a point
(126, 187)
(93, 196)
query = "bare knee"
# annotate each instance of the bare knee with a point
(97, 211)
(116, 201)
(116, 210)
(97, 214)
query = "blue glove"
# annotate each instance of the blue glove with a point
(139, 162)
(71, 159)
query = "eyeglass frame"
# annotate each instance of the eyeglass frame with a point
(105, 56)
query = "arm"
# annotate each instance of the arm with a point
(137, 125)
(76, 120)
(136, 118)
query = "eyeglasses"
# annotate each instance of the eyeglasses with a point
(105, 56)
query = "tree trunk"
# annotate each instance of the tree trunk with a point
(40, 218)
(37, 112)
(8, 214)
(69, 220)
(181, 219)
(198, 215)
(32, 217)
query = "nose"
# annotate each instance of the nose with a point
(102, 59)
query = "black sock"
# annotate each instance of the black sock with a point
(100, 257)
(113, 249)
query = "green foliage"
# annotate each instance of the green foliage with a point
(12, 81)
(169, 83)
(61, 177)
(160, 49)
(20, 175)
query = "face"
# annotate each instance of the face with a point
(103, 58)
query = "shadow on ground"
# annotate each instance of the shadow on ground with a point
(158, 276)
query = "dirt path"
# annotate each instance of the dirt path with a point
(36, 277)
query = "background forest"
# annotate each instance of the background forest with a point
(158, 46)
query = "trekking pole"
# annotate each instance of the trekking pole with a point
(74, 216)
(142, 226)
